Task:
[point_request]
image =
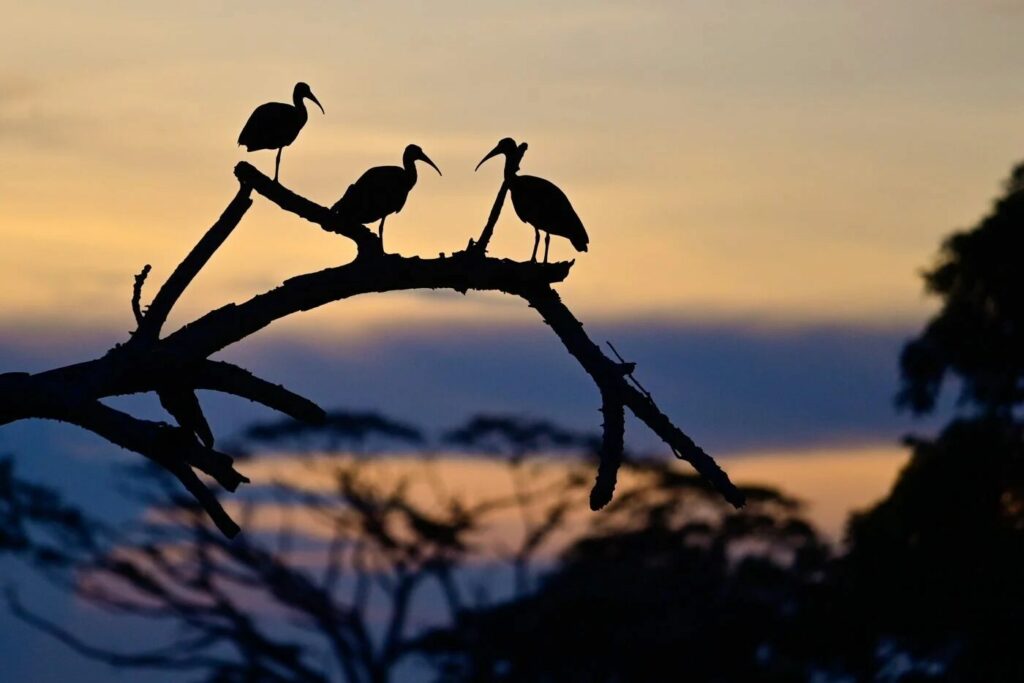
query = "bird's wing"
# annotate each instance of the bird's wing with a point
(345, 200)
(543, 205)
(264, 123)
(374, 195)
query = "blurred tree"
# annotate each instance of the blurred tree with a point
(671, 582)
(517, 436)
(35, 523)
(933, 571)
(340, 429)
(345, 583)
(669, 585)
(930, 580)
(325, 585)
(978, 335)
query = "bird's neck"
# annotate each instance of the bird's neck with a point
(300, 104)
(409, 165)
(511, 167)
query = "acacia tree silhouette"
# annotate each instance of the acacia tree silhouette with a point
(356, 567)
(367, 576)
(177, 364)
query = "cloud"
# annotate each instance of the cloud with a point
(732, 386)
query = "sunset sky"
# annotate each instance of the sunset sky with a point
(776, 163)
(762, 183)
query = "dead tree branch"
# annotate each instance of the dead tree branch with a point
(612, 446)
(179, 362)
(480, 246)
(156, 316)
(140, 280)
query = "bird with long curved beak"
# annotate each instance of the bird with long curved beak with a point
(381, 191)
(275, 125)
(513, 155)
(538, 202)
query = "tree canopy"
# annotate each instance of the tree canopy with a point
(978, 335)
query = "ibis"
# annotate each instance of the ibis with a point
(381, 191)
(538, 202)
(275, 125)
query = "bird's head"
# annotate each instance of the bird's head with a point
(302, 90)
(415, 153)
(506, 146)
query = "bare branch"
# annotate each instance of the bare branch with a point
(158, 441)
(166, 657)
(364, 238)
(612, 445)
(608, 376)
(181, 359)
(204, 497)
(231, 379)
(386, 273)
(480, 246)
(173, 448)
(140, 280)
(149, 327)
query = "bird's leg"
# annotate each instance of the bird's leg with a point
(547, 243)
(277, 163)
(536, 243)
(380, 233)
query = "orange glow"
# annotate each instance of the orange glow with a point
(715, 159)
(831, 482)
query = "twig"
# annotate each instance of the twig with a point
(366, 240)
(149, 327)
(231, 379)
(628, 368)
(612, 446)
(480, 246)
(140, 280)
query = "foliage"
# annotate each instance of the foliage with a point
(676, 587)
(979, 333)
(366, 570)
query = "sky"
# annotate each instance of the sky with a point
(762, 183)
(775, 163)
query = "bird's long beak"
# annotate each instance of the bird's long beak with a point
(315, 100)
(425, 159)
(493, 153)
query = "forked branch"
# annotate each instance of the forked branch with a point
(179, 362)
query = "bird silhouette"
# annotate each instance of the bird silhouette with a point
(183, 405)
(381, 191)
(275, 125)
(538, 202)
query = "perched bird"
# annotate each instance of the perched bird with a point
(381, 191)
(538, 202)
(275, 125)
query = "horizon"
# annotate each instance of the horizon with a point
(763, 187)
